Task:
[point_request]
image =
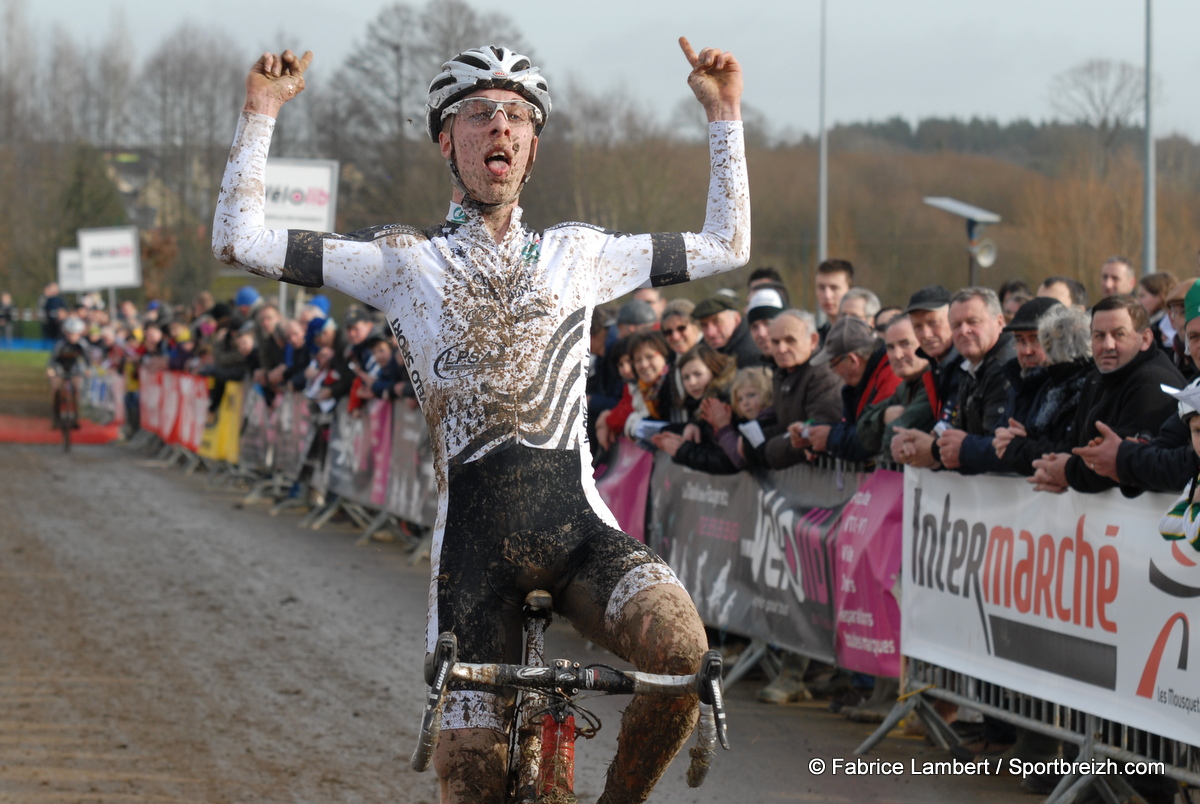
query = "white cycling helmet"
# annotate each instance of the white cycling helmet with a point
(489, 67)
(74, 326)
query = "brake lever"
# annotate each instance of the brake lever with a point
(711, 692)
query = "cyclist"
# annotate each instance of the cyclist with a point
(492, 322)
(68, 360)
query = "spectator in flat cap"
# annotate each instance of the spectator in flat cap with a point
(1167, 463)
(1027, 371)
(766, 301)
(802, 392)
(929, 311)
(635, 315)
(1122, 396)
(856, 355)
(725, 331)
(981, 403)
(1044, 424)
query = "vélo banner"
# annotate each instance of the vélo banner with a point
(1073, 598)
(756, 553)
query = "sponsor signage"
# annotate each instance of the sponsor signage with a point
(301, 194)
(70, 271)
(1073, 598)
(756, 553)
(110, 258)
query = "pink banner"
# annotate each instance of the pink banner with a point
(168, 420)
(148, 399)
(867, 572)
(624, 483)
(193, 410)
(379, 419)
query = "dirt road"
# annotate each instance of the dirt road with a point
(160, 644)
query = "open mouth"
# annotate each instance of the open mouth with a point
(499, 162)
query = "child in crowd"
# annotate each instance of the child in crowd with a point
(750, 410)
(706, 375)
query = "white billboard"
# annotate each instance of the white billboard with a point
(1074, 598)
(301, 194)
(70, 270)
(111, 257)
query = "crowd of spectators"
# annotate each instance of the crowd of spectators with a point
(242, 338)
(1036, 383)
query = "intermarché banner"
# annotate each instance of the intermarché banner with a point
(756, 553)
(1073, 598)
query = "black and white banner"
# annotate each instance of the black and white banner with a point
(756, 553)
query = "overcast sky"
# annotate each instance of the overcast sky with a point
(914, 59)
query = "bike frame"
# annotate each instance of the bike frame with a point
(542, 735)
(66, 407)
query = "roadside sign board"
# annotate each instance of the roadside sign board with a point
(110, 257)
(301, 194)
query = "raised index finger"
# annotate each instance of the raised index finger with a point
(688, 51)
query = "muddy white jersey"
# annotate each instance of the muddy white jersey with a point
(494, 335)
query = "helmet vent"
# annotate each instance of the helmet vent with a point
(523, 64)
(474, 61)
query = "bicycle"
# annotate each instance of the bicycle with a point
(541, 754)
(66, 410)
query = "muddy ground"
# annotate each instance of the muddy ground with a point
(158, 643)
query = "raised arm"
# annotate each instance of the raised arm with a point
(240, 236)
(724, 242)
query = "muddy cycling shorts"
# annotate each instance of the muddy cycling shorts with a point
(518, 519)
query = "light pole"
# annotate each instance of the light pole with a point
(1149, 222)
(823, 161)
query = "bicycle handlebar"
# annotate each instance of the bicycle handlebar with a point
(568, 678)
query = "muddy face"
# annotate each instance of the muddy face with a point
(493, 156)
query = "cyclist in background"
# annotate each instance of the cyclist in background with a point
(492, 321)
(68, 360)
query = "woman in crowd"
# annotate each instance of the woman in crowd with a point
(649, 396)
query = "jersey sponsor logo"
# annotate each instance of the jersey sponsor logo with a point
(414, 376)
(460, 361)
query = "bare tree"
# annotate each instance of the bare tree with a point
(1103, 95)
(372, 117)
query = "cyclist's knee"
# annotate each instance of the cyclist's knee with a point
(472, 765)
(660, 631)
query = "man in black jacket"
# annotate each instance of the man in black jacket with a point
(725, 331)
(1167, 463)
(1123, 394)
(1043, 410)
(981, 403)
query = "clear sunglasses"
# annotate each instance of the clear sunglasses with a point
(480, 111)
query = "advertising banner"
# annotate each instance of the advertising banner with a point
(301, 194)
(110, 257)
(379, 425)
(149, 399)
(412, 492)
(168, 417)
(70, 271)
(254, 451)
(624, 483)
(867, 572)
(349, 456)
(755, 553)
(1073, 598)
